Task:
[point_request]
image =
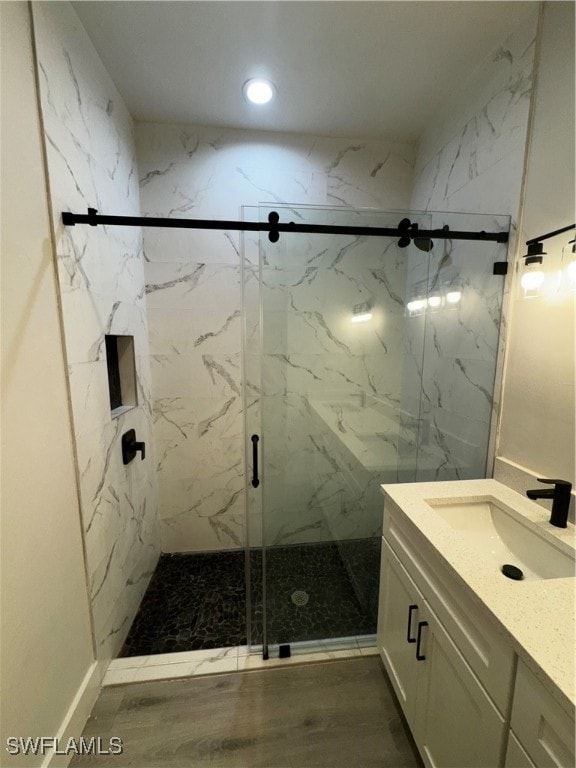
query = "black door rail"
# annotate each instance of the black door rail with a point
(406, 231)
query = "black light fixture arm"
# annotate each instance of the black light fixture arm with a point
(550, 234)
(405, 230)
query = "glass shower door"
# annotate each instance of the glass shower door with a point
(338, 417)
(459, 379)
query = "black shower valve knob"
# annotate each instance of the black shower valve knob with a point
(130, 447)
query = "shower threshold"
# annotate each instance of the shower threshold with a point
(214, 661)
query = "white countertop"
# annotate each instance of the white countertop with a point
(536, 616)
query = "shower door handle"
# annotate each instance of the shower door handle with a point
(255, 481)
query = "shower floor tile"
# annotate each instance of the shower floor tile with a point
(193, 602)
(198, 601)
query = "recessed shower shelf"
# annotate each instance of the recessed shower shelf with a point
(121, 367)
(117, 412)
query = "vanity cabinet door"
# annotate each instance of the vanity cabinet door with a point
(456, 724)
(516, 757)
(401, 606)
(543, 728)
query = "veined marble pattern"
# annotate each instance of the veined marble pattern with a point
(312, 349)
(91, 162)
(471, 160)
(452, 351)
(202, 292)
(484, 124)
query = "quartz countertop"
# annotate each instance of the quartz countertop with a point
(537, 616)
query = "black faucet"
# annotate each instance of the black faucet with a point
(561, 500)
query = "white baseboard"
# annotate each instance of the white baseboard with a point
(78, 713)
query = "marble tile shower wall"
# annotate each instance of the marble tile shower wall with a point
(91, 162)
(451, 377)
(194, 296)
(471, 157)
(315, 357)
(470, 160)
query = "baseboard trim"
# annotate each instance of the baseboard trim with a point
(78, 713)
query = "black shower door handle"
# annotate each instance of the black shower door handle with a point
(255, 481)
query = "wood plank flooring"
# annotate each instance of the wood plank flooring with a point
(338, 714)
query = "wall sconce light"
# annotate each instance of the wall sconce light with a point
(361, 313)
(416, 307)
(569, 256)
(533, 276)
(453, 298)
(447, 296)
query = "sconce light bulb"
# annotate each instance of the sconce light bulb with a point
(361, 313)
(363, 318)
(571, 272)
(453, 297)
(434, 301)
(416, 305)
(532, 279)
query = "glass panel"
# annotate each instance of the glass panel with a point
(334, 425)
(344, 403)
(462, 331)
(252, 423)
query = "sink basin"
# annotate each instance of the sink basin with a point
(502, 538)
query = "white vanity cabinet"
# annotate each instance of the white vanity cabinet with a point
(401, 606)
(481, 667)
(544, 732)
(516, 756)
(453, 720)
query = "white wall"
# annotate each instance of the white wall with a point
(47, 653)
(537, 425)
(91, 163)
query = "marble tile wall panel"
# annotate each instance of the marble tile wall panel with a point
(91, 162)
(311, 347)
(484, 123)
(348, 494)
(471, 160)
(310, 288)
(195, 283)
(461, 343)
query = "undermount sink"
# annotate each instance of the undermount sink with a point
(505, 539)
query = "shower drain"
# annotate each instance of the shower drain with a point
(299, 597)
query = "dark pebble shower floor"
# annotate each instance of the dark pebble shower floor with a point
(198, 601)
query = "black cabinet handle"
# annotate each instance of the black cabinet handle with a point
(421, 625)
(409, 632)
(255, 481)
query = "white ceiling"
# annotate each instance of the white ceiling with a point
(375, 69)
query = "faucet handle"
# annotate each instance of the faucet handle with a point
(561, 483)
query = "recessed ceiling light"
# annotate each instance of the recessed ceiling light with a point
(258, 91)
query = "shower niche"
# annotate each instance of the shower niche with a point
(121, 368)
